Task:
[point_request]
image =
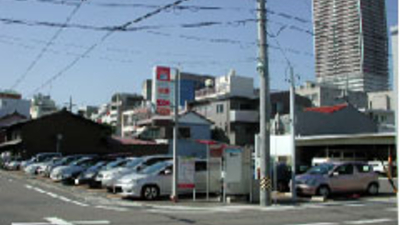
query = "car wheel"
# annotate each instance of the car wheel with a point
(150, 192)
(324, 191)
(373, 189)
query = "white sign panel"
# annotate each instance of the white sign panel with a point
(186, 173)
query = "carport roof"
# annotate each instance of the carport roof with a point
(347, 139)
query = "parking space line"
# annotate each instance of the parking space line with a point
(119, 209)
(98, 222)
(384, 220)
(319, 223)
(57, 221)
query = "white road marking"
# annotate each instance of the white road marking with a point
(65, 199)
(94, 222)
(384, 220)
(320, 223)
(80, 203)
(355, 205)
(30, 224)
(119, 209)
(62, 198)
(57, 221)
(39, 190)
(52, 195)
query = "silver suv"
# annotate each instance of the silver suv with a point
(338, 177)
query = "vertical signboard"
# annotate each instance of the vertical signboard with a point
(163, 91)
(186, 173)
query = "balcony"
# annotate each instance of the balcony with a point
(247, 116)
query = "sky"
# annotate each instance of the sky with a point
(207, 37)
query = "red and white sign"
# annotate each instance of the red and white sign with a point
(162, 93)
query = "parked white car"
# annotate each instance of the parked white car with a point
(155, 181)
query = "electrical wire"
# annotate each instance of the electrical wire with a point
(103, 38)
(46, 47)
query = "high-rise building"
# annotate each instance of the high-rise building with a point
(351, 45)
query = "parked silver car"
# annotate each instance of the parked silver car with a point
(155, 181)
(338, 177)
(33, 168)
(70, 172)
(109, 177)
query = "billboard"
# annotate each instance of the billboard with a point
(163, 89)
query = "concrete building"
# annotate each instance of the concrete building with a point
(381, 109)
(230, 85)
(236, 119)
(322, 95)
(11, 102)
(42, 105)
(88, 111)
(351, 46)
(121, 102)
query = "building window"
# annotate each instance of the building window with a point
(220, 108)
(184, 132)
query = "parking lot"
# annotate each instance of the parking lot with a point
(39, 199)
(82, 189)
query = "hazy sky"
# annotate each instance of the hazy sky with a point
(176, 37)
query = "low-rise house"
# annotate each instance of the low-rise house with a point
(61, 131)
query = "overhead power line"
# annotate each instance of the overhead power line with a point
(104, 37)
(46, 47)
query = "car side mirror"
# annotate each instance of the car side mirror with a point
(167, 172)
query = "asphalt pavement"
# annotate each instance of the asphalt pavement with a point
(35, 201)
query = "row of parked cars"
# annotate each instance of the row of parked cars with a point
(148, 177)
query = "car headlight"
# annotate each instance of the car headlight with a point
(311, 182)
(89, 175)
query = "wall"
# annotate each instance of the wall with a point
(189, 148)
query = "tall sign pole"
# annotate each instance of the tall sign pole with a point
(262, 67)
(174, 196)
(293, 132)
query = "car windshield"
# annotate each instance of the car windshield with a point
(133, 163)
(154, 168)
(97, 165)
(114, 164)
(321, 169)
(78, 162)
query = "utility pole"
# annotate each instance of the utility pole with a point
(174, 196)
(293, 132)
(262, 67)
